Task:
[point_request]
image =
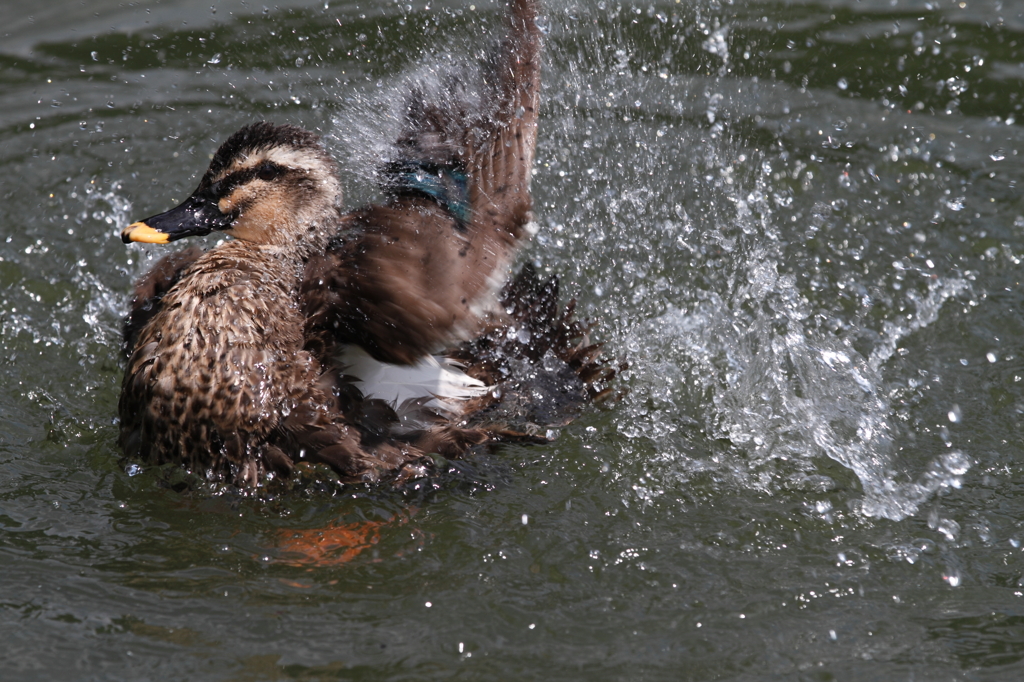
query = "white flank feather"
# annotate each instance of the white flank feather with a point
(440, 379)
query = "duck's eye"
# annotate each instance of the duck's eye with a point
(267, 172)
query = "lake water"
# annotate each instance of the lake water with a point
(799, 222)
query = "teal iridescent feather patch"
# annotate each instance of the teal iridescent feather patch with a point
(447, 185)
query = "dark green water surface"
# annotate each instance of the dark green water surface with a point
(800, 222)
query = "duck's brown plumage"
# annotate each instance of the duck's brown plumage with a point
(217, 374)
(229, 351)
(221, 367)
(413, 278)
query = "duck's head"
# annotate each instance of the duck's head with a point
(273, 185)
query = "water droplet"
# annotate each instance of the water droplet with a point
(299, 61)
(956, 86)
(949, 528)
(955, 462)
(998, 155)
(526, 519)
(215, 59)
(843, 84)
(133, 469)
(95, 55)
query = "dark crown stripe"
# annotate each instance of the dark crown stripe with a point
(258, 136)
(229, 182)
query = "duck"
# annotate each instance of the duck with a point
(370, 341)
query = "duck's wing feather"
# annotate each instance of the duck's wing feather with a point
(415, 273)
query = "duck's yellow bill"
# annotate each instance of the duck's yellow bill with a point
(141, 232)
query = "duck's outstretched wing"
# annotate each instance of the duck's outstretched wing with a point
(415, 273)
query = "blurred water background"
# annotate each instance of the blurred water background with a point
(799, 221)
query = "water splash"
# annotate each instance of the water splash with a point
(682, 233)
(104, 309)
(364, 136)
(780, 388)
(46, 305)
